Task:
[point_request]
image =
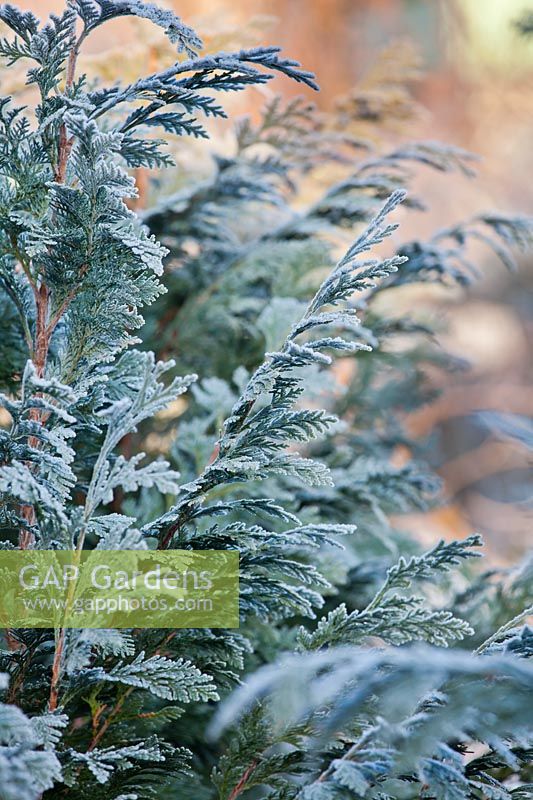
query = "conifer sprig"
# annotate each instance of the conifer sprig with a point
(365, 702)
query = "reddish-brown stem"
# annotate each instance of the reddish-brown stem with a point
(65, 144)
(43, 334)
(241, 785)
(44, 328)
(63, 308)
(160, 648)
(99, 732)
(96, 718)
(71, 65)
(26, 537)
(56, 672)
(42, 342)
(109, 719)
(165, 542)
(42, 338)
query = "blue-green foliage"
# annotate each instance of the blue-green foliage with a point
(407, 717)
(124, 715)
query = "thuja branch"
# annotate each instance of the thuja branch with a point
(44, 331)
(45, 328)
(100, 731)
(240, 437)
(241, 786)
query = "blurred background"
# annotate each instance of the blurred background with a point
(470, 74)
